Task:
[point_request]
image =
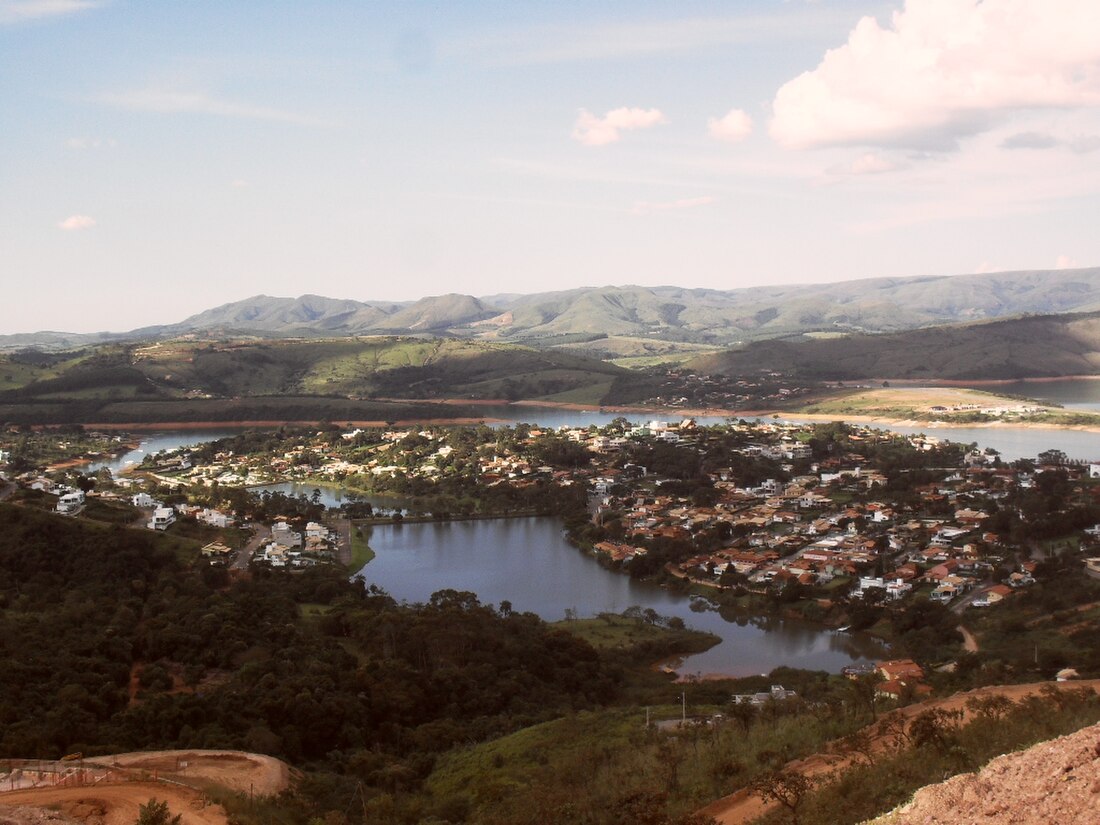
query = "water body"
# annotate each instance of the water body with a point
(528, 562)
(1071, 393)
(333, 496)
(156, 442)
(1010, 442)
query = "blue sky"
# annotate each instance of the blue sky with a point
(157, 159)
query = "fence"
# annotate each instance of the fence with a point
(25, 774)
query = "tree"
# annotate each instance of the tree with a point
(785, 787)
(157, 813)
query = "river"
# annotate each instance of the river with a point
(528, 562)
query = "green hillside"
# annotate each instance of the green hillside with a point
(1029, 347)
(348, 379)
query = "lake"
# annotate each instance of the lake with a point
(156, 442)
(1010, 442)
(528, 562)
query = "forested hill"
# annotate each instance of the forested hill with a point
(667, 313)
(1029, 347)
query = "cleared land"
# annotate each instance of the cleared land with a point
(743, 807)
(182, 774)
(949, 405)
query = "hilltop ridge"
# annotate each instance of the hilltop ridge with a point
(665, 313)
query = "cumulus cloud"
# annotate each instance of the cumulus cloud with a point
(599, 131)
(647, 207)
(1065, 262)
(169, 101)
(734, 127)
(942, 70)
(75, 222)
(16, 11)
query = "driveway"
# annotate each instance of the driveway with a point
(260, 535)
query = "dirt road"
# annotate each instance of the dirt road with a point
(743, 807)
(117, 802)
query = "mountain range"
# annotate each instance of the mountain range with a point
(600, 318)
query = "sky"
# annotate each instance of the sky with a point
(161, 158)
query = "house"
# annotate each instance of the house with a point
(777, 693)
(215, 518)
(997, 593)
(70, 503)
(144, 500)
(901, 669)
(163, 518)
(217, 552)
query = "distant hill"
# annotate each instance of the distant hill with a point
(292, 379)
(672, 314)
(1029, 347)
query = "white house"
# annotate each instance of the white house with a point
(70, 503)
(163, 518)
(144, 500)
(215, 518)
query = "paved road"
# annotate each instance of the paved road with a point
(959, 606)
(261, 535)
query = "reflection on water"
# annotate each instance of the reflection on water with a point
(528, 562)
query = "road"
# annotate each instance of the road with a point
(261, 534)
(342, 526)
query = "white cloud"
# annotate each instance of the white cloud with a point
(599, 131)
(75, 222)
(239, 183)
(647, 207)
(986, 266)
(80, 143)
(734, 127)
(168, 101)
(944, 69)
(1065, 262)
(16, 11)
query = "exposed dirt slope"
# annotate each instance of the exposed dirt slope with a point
(33, 816)
(1056, 781)
(743, 807)
(117, 803)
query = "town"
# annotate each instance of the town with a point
(812, 515)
